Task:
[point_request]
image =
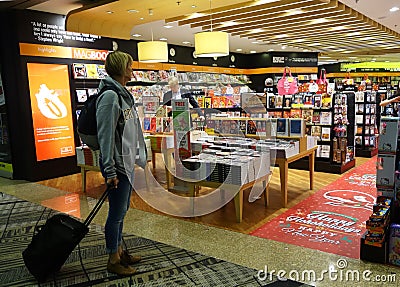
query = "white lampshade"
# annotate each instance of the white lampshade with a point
(211, 44)
(153, 51)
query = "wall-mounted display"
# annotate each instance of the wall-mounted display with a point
(51, 110)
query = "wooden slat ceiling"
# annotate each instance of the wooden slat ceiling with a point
(330, 27)
(94, 19)
(327, 26)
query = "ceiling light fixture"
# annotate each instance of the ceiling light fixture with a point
(211, 44)
(168, 26)
(133, 11)
(186, 42)
(394, 9)
(253, 52)
(153, 51)
(238, 50)
(136, 35)
(109, 12)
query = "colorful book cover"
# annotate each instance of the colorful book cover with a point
(79, 71)
(316, 117)
(207, 102)
(295, 113)
(317, 101)
(251, 128)
(316, 131)
(296, 127)
(153, 124)
(326, 100)
(307, 115)
(286, 114)
(325, 134)
(288, 101)
(216, 102)
(282, 128)
(325, 118)
(271, 101)
(91, 71)
(278, 101)
(81, 95)
(146, 123)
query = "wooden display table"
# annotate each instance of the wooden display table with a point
(238, 199)
(84, 169)
(283, 164)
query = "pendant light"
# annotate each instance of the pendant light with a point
(211, 44)
(153, 51)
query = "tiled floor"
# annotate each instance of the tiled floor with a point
(235, 247)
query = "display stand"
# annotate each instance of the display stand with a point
(365, 123)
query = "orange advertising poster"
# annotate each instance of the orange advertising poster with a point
(51, 110)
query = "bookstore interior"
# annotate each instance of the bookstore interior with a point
(257, 113)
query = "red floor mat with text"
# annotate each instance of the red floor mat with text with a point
(332, 219)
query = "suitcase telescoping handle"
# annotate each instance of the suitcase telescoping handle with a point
(98, 205)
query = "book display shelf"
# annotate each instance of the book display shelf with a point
(366, 123)
(326, 118)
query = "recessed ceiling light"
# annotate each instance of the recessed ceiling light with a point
(255, 42)
(394, 9)
(387, 61)
(252, 52)
(281, 36)
(298, 41)
(306, 50)
(283, 47)
(367, 38)
(141, 18)
(194, 6)
(186, 42)
(168, 26)
(293, 12)
(319, 21)
(238, 50)
(373, 59)
(136, 35)
(163, 39)
(229, 23)
(109, 12)
(353, 34)
(337, 28)
(258, 30)
(270, 50)
(133, 11)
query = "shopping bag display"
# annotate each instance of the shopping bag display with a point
(287, 85)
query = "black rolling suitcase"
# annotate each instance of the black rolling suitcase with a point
(52, 244)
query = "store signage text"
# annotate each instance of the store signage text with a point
(278, 60)
(88, 54)
(39, 50)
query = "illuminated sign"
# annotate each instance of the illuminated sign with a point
(40, 50)
(371, 66)
(51, 110)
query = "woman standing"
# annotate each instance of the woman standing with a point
(115, 115)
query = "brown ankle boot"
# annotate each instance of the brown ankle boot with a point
(128, 259)
(120, 269)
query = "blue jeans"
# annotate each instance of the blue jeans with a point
(119, 200)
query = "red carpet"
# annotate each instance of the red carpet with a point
(331, 220)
